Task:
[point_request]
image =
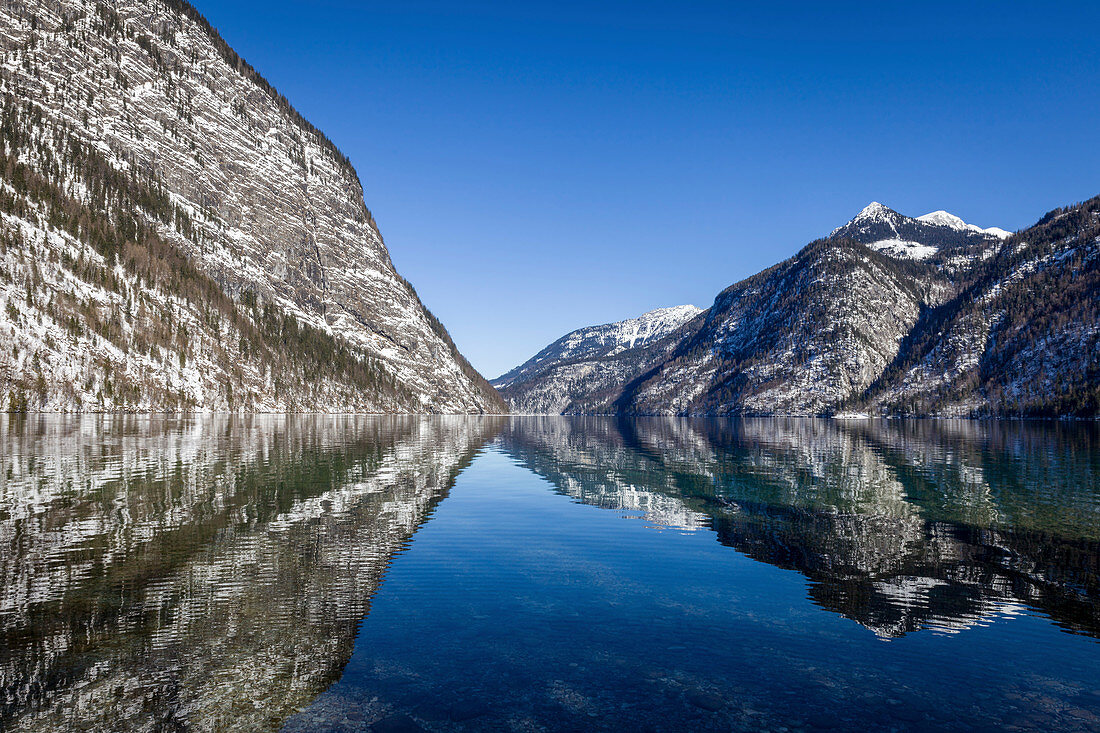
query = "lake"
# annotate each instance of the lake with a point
(357, 573)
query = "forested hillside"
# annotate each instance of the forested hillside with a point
(1022, 339)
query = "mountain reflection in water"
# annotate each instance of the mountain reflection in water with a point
(200, 573)
(899, 525)
(219, 572)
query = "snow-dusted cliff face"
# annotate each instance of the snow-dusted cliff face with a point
(890, 313)
(561, 377)
(1023, 336)
(176, 236)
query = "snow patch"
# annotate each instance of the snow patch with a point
(947, 219)
(874, 211)
(903, 248)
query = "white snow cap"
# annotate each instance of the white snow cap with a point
(943, 218)
(873, 210)
(673, 311)
(947, 219)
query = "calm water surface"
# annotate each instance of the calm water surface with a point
(355, 573)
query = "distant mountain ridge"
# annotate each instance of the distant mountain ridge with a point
(938, 233)
(944, 218)
(889, 314)
(581, 353)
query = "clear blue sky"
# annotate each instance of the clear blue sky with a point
(537, 167)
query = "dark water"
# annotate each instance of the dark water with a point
(354, 573)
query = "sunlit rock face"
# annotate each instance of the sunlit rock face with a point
(1022, 338)
(898, 526)
(208, 574)
(137, 121)
(577, 372)
(888, 315)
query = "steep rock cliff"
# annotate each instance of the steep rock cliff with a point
(176, 236)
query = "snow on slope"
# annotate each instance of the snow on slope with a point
(258, 200)
(629, 333)
(883, 229)
(568, 374)
(902, 248)
(607, 339)
(946, 219)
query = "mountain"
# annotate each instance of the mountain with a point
(565, 375)
(936, 235)
(174, 235)
(1022, 339)
(808, 335)
(889, 314)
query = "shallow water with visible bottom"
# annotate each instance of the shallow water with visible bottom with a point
(542, 574)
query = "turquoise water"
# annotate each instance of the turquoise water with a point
(319, 573)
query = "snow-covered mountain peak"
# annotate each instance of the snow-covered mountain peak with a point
(873, 216)
(946, 219)
(943, 218)
(581, 349)
(884, 229)
(874, 211)
(678, 313)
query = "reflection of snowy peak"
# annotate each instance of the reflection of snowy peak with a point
(893, 523)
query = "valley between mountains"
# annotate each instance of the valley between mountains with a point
(175, 236)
